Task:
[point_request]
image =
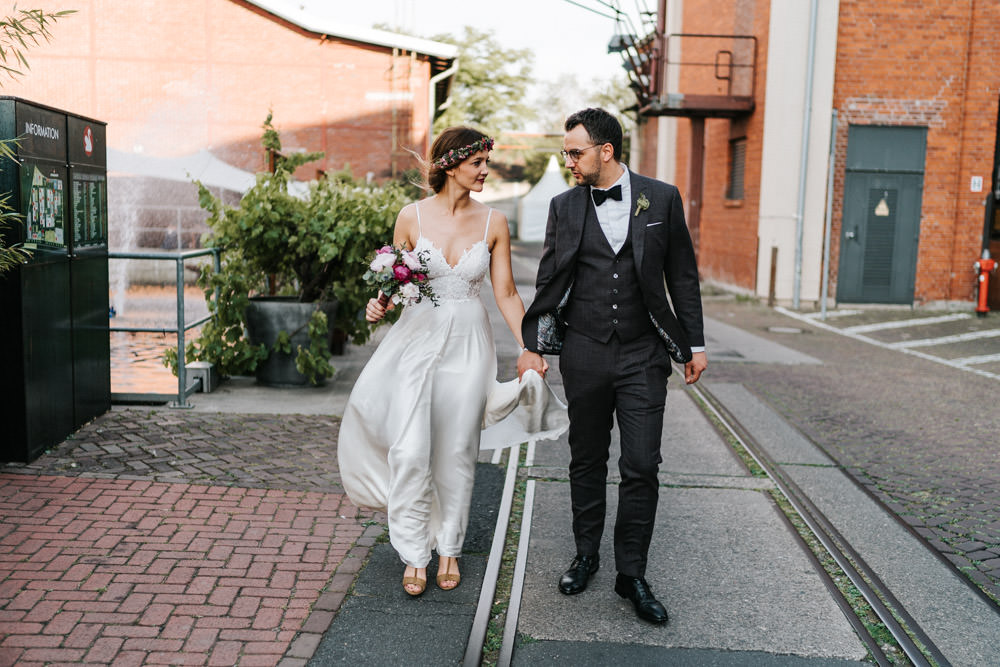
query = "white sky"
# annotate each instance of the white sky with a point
(564, 37)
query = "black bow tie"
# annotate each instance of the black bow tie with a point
(601, 195)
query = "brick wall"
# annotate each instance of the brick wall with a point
(728, 232)
(172, 77)
(175, 77)
(931, 64)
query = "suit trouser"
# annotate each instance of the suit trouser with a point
(629, 381)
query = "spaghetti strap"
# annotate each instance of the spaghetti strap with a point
(487, 232)
(420, 232)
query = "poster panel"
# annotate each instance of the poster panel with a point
(43, 201)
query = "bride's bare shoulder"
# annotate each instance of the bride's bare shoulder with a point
(408, 212)
(499, 228)
(406, 230)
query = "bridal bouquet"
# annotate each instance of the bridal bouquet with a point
(401, 275)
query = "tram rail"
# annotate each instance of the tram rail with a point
(914, 642)
(908, 634)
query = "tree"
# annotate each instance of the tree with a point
(490, 88)
(566, 95)
(19, 31)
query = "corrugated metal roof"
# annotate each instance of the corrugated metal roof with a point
(321, 18)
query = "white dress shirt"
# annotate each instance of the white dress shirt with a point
(614, 215)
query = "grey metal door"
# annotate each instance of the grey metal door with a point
(881, 223)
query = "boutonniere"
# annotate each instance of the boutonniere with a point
(641, 204)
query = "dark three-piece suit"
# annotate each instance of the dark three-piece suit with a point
(608, 317)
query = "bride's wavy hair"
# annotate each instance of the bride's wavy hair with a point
(451, 139)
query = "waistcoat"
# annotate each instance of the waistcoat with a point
(606, 299)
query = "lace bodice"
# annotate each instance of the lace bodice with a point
(465, 279)
(462, 281)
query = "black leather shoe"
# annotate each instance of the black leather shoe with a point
(637, 591)
(575, 579)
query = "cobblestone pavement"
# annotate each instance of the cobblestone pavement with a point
(921, 437)
(253, 451)
(165, 537)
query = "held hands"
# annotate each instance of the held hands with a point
(694, 368)
(375, 311)
(531, 361)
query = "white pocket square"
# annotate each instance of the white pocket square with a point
(654, 224)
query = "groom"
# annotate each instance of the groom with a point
(614, 247)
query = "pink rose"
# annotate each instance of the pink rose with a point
(411, 261)
(401, 272)
(420, 277)
(385, 249)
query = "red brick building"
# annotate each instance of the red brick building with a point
(910, 93)
(175, 78)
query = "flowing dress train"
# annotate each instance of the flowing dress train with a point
(413, 425)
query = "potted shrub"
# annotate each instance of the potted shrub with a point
(293, 256)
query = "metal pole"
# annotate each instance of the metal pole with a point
(829, 214)
(217, 261)
(804, 158)
(181, 370)
(772, 289)
(696, 180)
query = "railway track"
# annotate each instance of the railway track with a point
(821, 541)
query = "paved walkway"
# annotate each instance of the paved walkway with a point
(173, 537)
(220, 535)
(918, 435)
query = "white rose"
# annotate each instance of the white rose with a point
(382, 262)
(409, 292)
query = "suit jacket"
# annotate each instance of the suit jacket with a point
(664, 261)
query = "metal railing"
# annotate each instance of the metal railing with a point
(183, 388)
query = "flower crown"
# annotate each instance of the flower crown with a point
(458, 155)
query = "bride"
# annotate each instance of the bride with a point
(411, 431)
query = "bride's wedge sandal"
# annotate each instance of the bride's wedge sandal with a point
(446, 579)
(418, 584)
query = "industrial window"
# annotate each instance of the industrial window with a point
(737, 159)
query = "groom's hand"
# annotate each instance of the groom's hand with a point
(694, 368)
(531, 361)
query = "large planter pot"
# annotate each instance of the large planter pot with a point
(266, 318)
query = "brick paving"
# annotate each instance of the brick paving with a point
(172, 537)
(164, 537)
(919, 436)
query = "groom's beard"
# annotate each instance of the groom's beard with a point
(588, 177)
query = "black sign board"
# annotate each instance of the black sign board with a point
(40, 132)
(90, 207)
(86, 141)
(43, 203)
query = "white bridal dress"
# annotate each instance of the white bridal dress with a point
(427, 401)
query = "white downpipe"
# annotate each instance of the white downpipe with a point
(432, 99)
(803, 160)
